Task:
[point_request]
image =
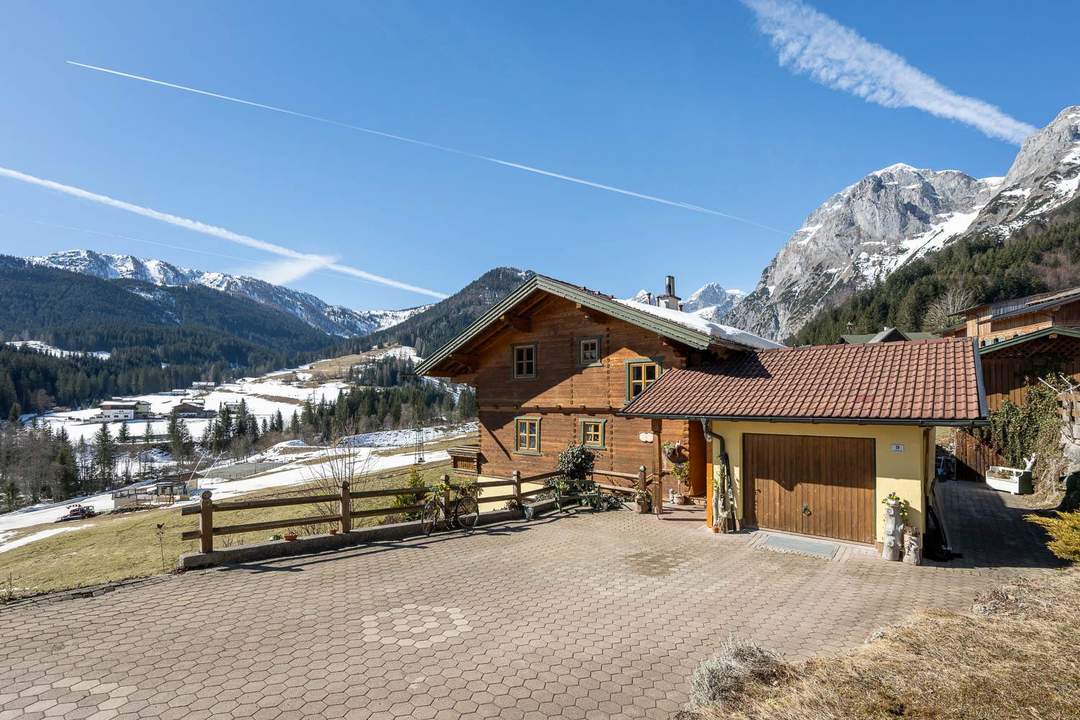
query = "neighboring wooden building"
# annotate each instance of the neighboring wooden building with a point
(1024, 339)
(1007, 319)
(553, 363)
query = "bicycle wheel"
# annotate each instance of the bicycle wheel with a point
(466, 513)
(429, 516)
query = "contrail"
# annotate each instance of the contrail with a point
(432, 146)
(836, 56)
(310, 261)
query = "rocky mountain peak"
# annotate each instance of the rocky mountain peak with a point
(898, 213)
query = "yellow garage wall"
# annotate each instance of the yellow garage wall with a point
(901, 472)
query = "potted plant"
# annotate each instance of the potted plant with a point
(679, 458)
(643, 500)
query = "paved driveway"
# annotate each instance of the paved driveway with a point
(594, 615)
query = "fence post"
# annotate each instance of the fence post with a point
(516, 477)
(206, 523)
(346, 508)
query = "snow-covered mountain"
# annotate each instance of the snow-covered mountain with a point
(711, 301)
(332, 319)
(891, 216)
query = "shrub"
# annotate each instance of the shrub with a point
(576, 462)
(718, 679)
(1064, 529)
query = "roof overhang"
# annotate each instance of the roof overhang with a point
(921, 422)
(1046, 332)
(580, 296)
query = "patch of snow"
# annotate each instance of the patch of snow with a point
(46, 349)
(39, 535)
(708, 327)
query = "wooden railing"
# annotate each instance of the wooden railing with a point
(345, 514)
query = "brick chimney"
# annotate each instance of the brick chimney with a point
(669, 299)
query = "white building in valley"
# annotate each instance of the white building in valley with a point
(112, 410)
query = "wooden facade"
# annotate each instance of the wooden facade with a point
(552, 371)
(1010, 371)
(564, 392)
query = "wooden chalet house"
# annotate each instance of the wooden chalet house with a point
(554, 363)
(810, 440)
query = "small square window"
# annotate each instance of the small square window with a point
(589, 351)
(640, 375)
(527, 435)
(524, 361)
(592, 433)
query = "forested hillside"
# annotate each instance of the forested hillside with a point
(433, 328)
(1044, 255)
(158, 337)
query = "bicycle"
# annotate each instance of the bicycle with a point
(462, 512)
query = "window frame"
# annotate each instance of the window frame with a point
(602, 422)
(630, 363)
(518, 450)
(514, 361)
(599, 361)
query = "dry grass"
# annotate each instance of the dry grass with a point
(1014, 656)
(120, 547)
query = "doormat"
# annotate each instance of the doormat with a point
(801, 546)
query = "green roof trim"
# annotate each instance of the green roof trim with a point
(586, 298)
(1027, 337)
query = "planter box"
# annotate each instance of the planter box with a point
(1010, 480)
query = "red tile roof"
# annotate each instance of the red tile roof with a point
(935, 381)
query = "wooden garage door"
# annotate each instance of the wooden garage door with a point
(811, 485)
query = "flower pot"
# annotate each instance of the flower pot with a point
(643, 506)
(290, 537)
(333, 531)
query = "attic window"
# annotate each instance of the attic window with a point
(589, 351)
(524, 361)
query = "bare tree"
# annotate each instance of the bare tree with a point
(340, 461)
(947, 309)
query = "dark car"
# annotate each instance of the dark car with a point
(78, 512)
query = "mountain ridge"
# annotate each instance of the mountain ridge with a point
(331, 319)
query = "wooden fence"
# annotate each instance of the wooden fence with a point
(345, 514)
(974, 457)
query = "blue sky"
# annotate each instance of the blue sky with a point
(686, 101)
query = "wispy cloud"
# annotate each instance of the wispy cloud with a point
(283, 272)
(306, 261)
(432, 146)
(812, 43)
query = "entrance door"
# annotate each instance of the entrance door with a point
(810, 485)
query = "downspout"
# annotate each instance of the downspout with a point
(723, 502)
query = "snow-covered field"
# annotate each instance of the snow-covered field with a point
(299, 470)
(284, 390)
